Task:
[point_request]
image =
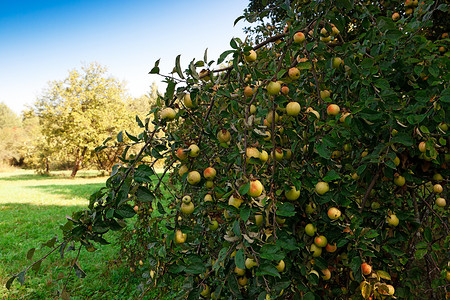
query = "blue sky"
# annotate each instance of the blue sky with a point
(40, 41)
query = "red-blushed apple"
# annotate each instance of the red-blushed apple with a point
(326, 274)
(194, 150)
(273, 88)
(366, 269)
(333, 110)
(320, 241)
(285, 90)
(194, 177)
(395, 16)
(334, 213)
(331, 248)
(322, 187)
(168, 114)
(393, 220)
(248, 91)
(293, 109)
(292, 194)
(181, 154)
(299, 37)
(251, 57)
(256, 188)
(209, 173)
(223, 136)
(294, 73)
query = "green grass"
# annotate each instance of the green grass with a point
(32, 207)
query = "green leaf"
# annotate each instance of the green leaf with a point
(237, 228)
(178, 67)
(160, 208)
(267, 269)
(323, 150)
(139, 122)
(132, 137)
(239, 259)
(193, 71)
(286, 209)
(243, 190)
(415, 119)
(30, 253)
(233, 44)
(10, 281)
(120, 137)
(237, 20)
(331, 175)
(245, 213)
(125, 211)
(36, 266)
(155, 69)
(224, 55)
(420, 253)
(271, 252)
(403, 139)
(21, 277)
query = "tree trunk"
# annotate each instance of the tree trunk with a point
(78, 161)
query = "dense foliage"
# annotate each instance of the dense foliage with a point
(315, 166)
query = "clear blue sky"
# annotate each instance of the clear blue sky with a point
(41, 40)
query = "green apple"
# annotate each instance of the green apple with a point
(250, 263)
(310, 208)
(187, 208)
(193, 177)
(316, 251)
(168, 114)
(195, 150)
(322, 187)
(213, 225)
(223, 136)
(310, 229)
(180, 237)
(392, 220)
(399, 180)
(292, 194)
(293, 109)
(337, 62)
(273, 88)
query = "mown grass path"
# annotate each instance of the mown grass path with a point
(32, 207)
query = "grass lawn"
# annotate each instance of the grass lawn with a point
(32, 207)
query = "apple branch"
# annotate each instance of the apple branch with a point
(369, 189)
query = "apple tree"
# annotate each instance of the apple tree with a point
(313, 166)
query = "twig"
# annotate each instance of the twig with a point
(369, 189)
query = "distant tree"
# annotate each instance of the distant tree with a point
(77, 113)
(7, 117)
(11, 136)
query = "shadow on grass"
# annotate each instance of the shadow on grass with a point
(69, 191)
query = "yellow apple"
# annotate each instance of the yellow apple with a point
(281, 266)
(422, 147)
(208, 198)
(183, 169)
(294, 73)
(393, 220)
(325, 94)
(252, 152)
(437, 188)
(316, 251)
(188, 101)
(292, 194)
(236, 202)
(293, 108)
(399, 180)
(242, 281)
(193, 177)
(441, 202)
(322, 187)
(195, 150)
(264, 156)
(180, 237)
(334, 213)
(269, 117)
(251, 57)
(273, 88)
(168, 114)
(187, 208)
(299, 37)
(223, 136)
(239, 272)
(310, 229)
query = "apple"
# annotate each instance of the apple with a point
(334, 31)
(299, 37)
(273, 88)
(256, 188)
(242, 281)
(292, 194)
(325, 39)
(204, 75)
(322, 187)
(209, 184)
(250, 263)
(209, 173)
(422, 147)
(316, 251)
(348, 148)
(310, 229)
(168, 114)
(395, 16)
(193, 177)
(438, 177)
(280, 221)
(447, 277)
(187, 209)
(334, 213)
(223, 136)
(326, 274)
(181, 154)
(443, 126)
(252, 109)
(136, 208)
(180, 237)
(252, 152)
(285, 90)
(294, 73)
(392, 220)
(183, 169)
(437, 188)
(336, 62)
(399, 180)
(195, 150)
(251, 57)
(264, 156)
(208, 198)
(239, 272)
(396, 161)
(206, 292)
(331, 248)
(281, 266)
(324, 31)
(213, 225)
(269, 117)
(310, 208)
(320, 241)
(325, 94)
(343, 117)
(188, 101)
(293, 109)
(258, 220)
(366, 269)
(248, 92)
(236, 202)
(375, 205)
(278, 154)
(186, 199)
(409, 11)
(333, 110)
(440, 202)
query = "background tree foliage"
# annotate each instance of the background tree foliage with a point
(78, 112)
(330, 156)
